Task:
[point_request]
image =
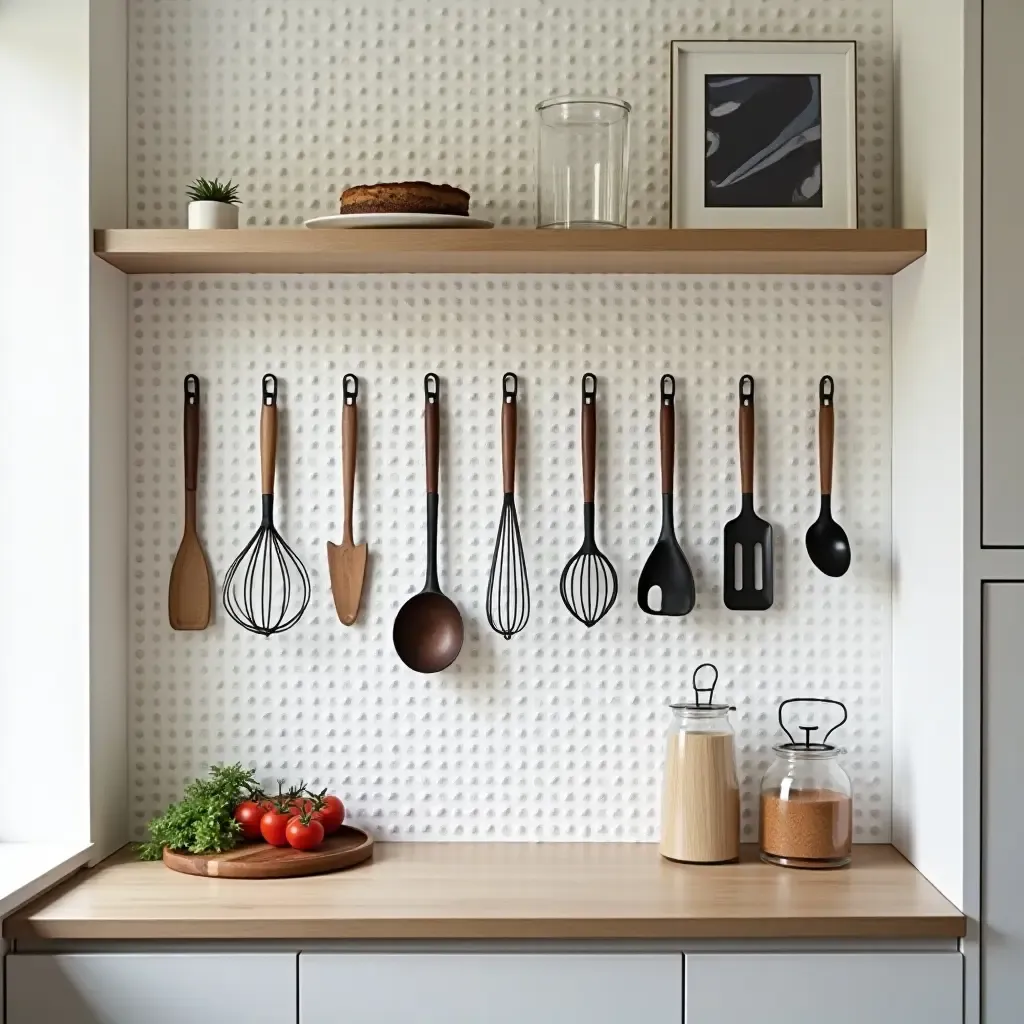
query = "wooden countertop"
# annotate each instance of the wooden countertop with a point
(502, 891)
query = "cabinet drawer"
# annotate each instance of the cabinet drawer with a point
(150, 988)
(496, 988)
(842, 988)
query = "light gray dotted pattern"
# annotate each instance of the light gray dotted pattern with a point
(559, 733)
(299, 99)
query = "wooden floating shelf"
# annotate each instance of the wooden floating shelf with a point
(510, 251)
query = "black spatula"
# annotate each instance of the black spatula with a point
(748, 538)
(666, 567)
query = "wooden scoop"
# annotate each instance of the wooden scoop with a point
(188, 596)
(348, 562)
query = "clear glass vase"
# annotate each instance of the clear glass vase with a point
(582, 162)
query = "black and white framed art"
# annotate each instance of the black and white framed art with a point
(764, 134)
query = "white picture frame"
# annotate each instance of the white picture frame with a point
(695, 199)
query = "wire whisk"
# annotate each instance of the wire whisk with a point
(267, 588)
(508, 587)
(589, 585)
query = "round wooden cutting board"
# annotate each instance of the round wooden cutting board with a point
(346, 848)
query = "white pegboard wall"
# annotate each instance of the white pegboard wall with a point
(296, 99)
(557, 734)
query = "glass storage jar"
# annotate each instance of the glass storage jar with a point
(807, 800)
(700, 814)
(582, 162)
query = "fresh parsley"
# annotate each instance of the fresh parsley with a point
(203, 820)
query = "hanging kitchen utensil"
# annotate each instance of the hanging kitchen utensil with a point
(188, 595)
(508, 588)
(748, 538)
(266, 590)
(588, 585)
(347, 562)
(428, 629)
(827, 543)
(666, 567)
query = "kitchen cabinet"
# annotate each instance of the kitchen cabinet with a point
(1002, 229)
(499, 988)
(1002, 910)
(841, 988)
(149, 988)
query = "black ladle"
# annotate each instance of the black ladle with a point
(827, 543)
(428, 628)
(666, 567)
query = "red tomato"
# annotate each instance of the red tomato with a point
(331, 815)
(305, 835)
(273, 825)
(248, 814)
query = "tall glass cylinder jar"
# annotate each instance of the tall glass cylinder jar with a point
(700, 809)
(583, 162)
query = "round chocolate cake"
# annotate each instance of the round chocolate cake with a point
(405, 197)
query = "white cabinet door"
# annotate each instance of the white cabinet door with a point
(1002, 229)
(151, 988)
(840, 988)
(490, 988)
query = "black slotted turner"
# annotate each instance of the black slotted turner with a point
(748, 538)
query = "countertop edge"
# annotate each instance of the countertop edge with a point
(426, 929)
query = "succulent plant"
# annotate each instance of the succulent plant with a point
(203, 191)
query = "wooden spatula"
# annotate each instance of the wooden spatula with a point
(188, 596)
(348, 562)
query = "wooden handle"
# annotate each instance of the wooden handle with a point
(589, 431)
(668, 432)
(509, 428)
(431, 427)
(191, 432)
(268, 433)
(349, 446)
(747, 434)
(826, 432)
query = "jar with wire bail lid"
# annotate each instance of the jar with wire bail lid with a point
(807, 799)
(700, 814)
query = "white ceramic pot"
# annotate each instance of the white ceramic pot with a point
(208, 214)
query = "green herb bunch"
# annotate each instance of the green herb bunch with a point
(203, 820)
(201, 191)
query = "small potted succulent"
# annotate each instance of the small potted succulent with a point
(212, 205)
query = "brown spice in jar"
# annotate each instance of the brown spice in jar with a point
(808, 825)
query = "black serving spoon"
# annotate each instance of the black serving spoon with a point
(666, 567)
(827, 543)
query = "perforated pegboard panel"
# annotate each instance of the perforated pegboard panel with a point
(557, 734)
(297, 100)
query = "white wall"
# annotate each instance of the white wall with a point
(928, 515)
(62, 513)
(108, 428)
